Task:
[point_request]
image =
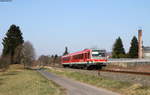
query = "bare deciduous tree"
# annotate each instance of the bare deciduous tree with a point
(44, 60)
(28, 54)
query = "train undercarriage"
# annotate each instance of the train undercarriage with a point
(85, 66)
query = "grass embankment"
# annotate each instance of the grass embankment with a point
(124, 88)
(18, 81)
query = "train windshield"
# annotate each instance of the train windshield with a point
(98, 53)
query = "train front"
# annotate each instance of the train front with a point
(98, 57)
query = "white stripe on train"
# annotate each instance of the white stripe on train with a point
(86, 63)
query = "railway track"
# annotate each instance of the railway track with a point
(124, 75)
(113, 71)
(126, 72)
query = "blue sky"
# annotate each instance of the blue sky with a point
(50, 25)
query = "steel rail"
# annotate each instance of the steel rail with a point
(127, 72)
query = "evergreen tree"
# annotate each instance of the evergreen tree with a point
(66, 51)
(12, 40)
(55, 58)
(133, 51)
(118, 49)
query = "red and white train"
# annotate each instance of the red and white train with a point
(88, 59)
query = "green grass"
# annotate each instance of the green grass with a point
(18, 81)
(124, 88)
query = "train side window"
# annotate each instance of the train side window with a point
(81, 56)
(84, 55)
(66, 59)
(88, 55)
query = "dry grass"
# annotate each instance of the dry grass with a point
(18, 81)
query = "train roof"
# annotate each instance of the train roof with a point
(75, 53)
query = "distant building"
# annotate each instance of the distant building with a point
(146, 52)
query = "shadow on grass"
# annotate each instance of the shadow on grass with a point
(34, 68)
(11, 73)
(1, 81)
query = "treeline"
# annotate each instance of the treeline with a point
(15, 49)
(47, 60)
(53, 60)
(118, 50)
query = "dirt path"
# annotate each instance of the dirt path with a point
(74, 87)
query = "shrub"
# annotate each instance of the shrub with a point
(4, 63)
